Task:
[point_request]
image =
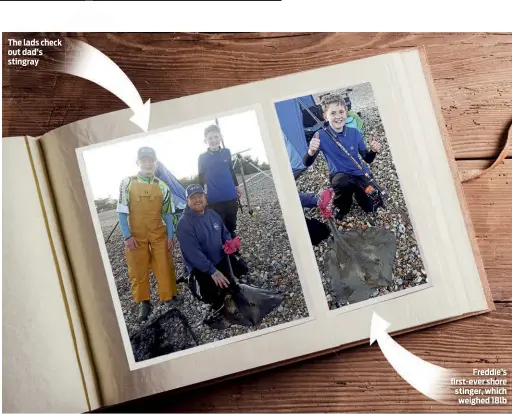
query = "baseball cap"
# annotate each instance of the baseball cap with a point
(146, 152)
(193, 189)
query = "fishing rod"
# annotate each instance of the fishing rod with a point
(223, 146)
(112, 232)
(241, 163)
(374, 191)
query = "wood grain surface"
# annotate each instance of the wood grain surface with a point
(473, 79)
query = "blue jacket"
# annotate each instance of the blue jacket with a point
(308, 200)
(216, 171)
(201, 238)
(337, 160)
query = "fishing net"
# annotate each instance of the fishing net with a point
(169, 332)
(357, 261)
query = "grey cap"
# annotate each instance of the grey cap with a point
(146, 152)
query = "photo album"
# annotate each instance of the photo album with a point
(249, 227)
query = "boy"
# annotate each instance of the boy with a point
(216, 171)
(346, 179)
(144, 205)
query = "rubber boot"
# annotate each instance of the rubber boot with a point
(144, 309)
(175, 301)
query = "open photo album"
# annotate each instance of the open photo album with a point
(249, 227)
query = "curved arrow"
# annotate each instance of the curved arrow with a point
(427, 378)
(89, 63)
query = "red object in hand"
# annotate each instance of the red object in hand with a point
(324, 204)
(231, 246)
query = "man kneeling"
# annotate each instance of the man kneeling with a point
(202, 235)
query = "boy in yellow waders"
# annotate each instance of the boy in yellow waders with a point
(145, 209)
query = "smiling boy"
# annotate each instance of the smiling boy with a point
(145, 210)
(346, 179)
(217, 175)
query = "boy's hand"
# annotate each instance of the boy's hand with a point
(170, 244)
(314, 144)
(238, 191)
(131, 243)
(220, 280)
(374, 145)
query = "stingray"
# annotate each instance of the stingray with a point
(357, 261)
(247, 306)
(244, 305)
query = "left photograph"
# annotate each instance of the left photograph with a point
(196, 243)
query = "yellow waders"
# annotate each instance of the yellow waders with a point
(148, 228)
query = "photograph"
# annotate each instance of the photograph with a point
(356, 216)
(196, 241)
(257, 222)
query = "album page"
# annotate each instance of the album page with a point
(310, 264)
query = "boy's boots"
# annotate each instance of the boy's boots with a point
(175, 301)
(144, 309)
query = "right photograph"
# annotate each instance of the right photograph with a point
(353, 205)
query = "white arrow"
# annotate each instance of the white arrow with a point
(89, 63)
(427, 378)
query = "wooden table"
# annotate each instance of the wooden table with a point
(473, 78)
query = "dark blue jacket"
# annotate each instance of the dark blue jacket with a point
(308, 200)
(216, 171)
(337, 160)
(201, 238)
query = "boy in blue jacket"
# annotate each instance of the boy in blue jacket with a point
(346, 179)
(202, 234)
(216, 172)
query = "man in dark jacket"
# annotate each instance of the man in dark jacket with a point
(202, 235)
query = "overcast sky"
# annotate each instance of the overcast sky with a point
(178, 150)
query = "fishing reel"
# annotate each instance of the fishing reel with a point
(377, 196)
